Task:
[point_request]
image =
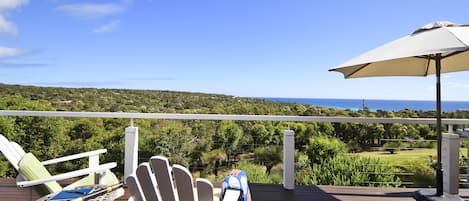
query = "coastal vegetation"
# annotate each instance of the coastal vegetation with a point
(326, 153)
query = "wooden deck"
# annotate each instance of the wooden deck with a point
(265, 192)
(268, 192)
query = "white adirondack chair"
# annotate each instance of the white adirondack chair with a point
(26, 163)
(158, 185)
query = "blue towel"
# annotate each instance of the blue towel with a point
(72, 194)
(236, 180)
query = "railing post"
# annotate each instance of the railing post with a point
(93, 161)
(450, 128)
(467, 160)
(289, 159)
(131, 150)
(450, 155)
(466, 184)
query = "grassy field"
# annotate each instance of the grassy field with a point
(416, 154)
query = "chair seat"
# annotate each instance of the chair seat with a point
(109, 179)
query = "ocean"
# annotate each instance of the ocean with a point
(373, 104)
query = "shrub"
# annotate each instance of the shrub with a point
(322, 148)
(268, 156)
(213, 159)
(392, 146)
(303, 169)
(354, 147)
(257, 173)
(351, 170)
(423, 144)
(422, 175)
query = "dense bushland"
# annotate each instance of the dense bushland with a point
(207, 147)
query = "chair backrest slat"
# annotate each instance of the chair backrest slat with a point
(18, 149)
(134, 188)
(147, 182)
(204, 189)
(9, 152)
(184, 183)
(162, 172)
(158, 185)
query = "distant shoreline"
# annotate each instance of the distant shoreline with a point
(376, 104)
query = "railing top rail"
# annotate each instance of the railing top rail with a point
(229, 117)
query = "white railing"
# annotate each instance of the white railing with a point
(131, 132)
(127, 115)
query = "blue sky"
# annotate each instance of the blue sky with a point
(255, 48)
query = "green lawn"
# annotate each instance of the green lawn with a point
(416, 154)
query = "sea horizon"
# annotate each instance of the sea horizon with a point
(376, 104)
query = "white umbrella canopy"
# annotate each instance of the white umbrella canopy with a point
(413, 55)
(435, 48)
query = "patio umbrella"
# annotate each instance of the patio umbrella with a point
(435, 48)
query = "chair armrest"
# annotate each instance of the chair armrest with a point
(68, 175)
(73, 157)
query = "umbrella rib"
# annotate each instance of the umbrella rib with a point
(355, 71)
(428, 65)
(428, 58)
(423, 57)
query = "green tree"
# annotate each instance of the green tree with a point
(213, 159)
(227, 137)
(43, 136)
(393, 146)
(323, 148)
(260, 134)
(202, 132)
(268, 156)
(301, 137)
(400, 131)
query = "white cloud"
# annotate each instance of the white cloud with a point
(7, 26)
(10, 4)
(108, 27)
(91, 10)
(8, 52)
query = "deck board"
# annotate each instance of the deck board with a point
(268, 192)
(369, 193)
(276, 192)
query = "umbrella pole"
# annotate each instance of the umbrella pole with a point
(439, 169)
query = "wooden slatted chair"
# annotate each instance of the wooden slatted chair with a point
(32, 172)
(156, 183)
